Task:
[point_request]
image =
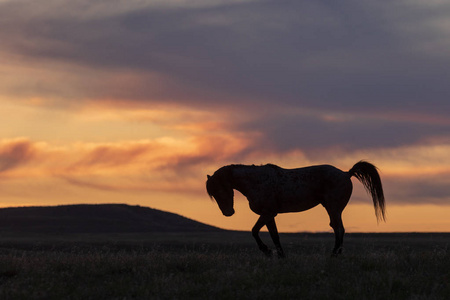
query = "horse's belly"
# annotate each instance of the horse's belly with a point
(297, 204)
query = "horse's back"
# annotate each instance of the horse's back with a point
(316, 173)
(311, 176)
(325, 178)
(304, 188)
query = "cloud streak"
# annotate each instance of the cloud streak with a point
(15, 153)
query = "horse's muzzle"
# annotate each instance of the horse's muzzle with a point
(228, 213)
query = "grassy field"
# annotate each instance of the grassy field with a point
(224, 266)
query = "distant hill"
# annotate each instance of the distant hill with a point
(99, 218)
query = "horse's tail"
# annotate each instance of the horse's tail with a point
(368, 175)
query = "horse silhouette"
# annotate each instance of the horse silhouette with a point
(271, 190)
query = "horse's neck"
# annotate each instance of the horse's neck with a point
(239, 176)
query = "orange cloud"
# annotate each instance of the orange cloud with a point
(91, 157)
(128, 165)
(414, 174)
(176, 117)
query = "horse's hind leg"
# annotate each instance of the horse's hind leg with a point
(338, 227)
(255, 232)
(339, 232)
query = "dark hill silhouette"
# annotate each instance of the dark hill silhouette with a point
(99, 218)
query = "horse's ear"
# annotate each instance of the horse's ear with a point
(208, 176)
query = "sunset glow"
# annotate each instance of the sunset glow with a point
(136, 102)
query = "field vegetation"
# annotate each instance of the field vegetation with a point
(223, 265)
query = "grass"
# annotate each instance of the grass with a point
(224, 266)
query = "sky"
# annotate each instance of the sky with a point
(134, 101)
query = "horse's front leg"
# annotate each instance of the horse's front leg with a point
(255, 232)
(272, 226)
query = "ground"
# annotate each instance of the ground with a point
(225, 265)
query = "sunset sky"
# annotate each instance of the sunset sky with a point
(134, 101)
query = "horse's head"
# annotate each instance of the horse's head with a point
(219, 189)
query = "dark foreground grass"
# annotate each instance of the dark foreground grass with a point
(224, 266)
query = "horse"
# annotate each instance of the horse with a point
(271, 190)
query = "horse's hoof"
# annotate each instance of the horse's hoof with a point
(336, 252)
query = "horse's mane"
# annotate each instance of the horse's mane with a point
(272, 166)
(223, 174)
(252, 166)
